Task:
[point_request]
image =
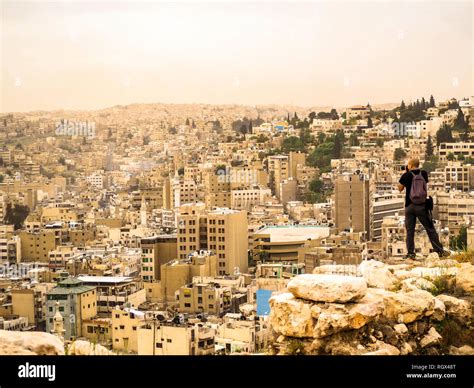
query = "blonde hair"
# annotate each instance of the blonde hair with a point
(414, 162)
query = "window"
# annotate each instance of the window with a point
(187, 305)
(122, 327)
(90, 329)
(159, 345)
(169, 340)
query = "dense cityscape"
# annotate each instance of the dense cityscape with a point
(178, 229)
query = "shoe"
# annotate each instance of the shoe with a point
(444, 253)
(410, 256)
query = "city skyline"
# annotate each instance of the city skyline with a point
(303, 54)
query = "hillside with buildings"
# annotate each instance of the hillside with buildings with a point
(194, 229)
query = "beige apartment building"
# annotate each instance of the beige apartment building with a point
(10, 249)
(455, 210)
(218, 190)
(222, 231)
(279, 170)
(357, 111)
(246, 199)
(98, 330)
(35, 246)
(177, 273)
(157, 251)
(30, 303)
(207, 298)
(236, 335)
(459, 176)
(353, 203)
(115, 291)
(173, 339)
(125, 325)
(465, 149)
(296, 159)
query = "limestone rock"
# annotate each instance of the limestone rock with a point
(377, 274)
(336, 269)
(30, 343)
(86, 348)
(333, 318)
(384, 350)
(400, 329)
(442, 263)
(405, 349)
(465, 277)
(291, 316)
(402, 274)
(406, 307)
(430, 339)
(328, 288)
(439, 312)
(433, 272)
(458, 309)
(412, 284)
(465, 350)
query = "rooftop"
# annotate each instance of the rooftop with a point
(287, 233)
(104, 279)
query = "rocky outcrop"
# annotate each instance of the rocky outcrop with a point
(327, 313)
(406, 307)
(377, 274)
(458, 309)
(465, 277)
(328, 288)
(30, 343)
(86, 348)
(431, 338)
(291, 316)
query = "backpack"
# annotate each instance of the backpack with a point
(418, 191)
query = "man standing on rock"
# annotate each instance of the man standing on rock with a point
(415, 182)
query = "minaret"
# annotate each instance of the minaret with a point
(58, 327)
(143, 217)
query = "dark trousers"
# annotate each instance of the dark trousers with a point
(412, 212)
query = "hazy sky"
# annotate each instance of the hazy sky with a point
(87, 55)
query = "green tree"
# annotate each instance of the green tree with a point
(187, 121)
(316, 186)
(306, 137)
(369, 123)
(181, 171)
(444, 135)
(450, 157)
(432, 102)
(292, 143)
(460, 122)
(16, 215)
(430, 164)
(399, 154)
(338, 144)
(429, 148)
